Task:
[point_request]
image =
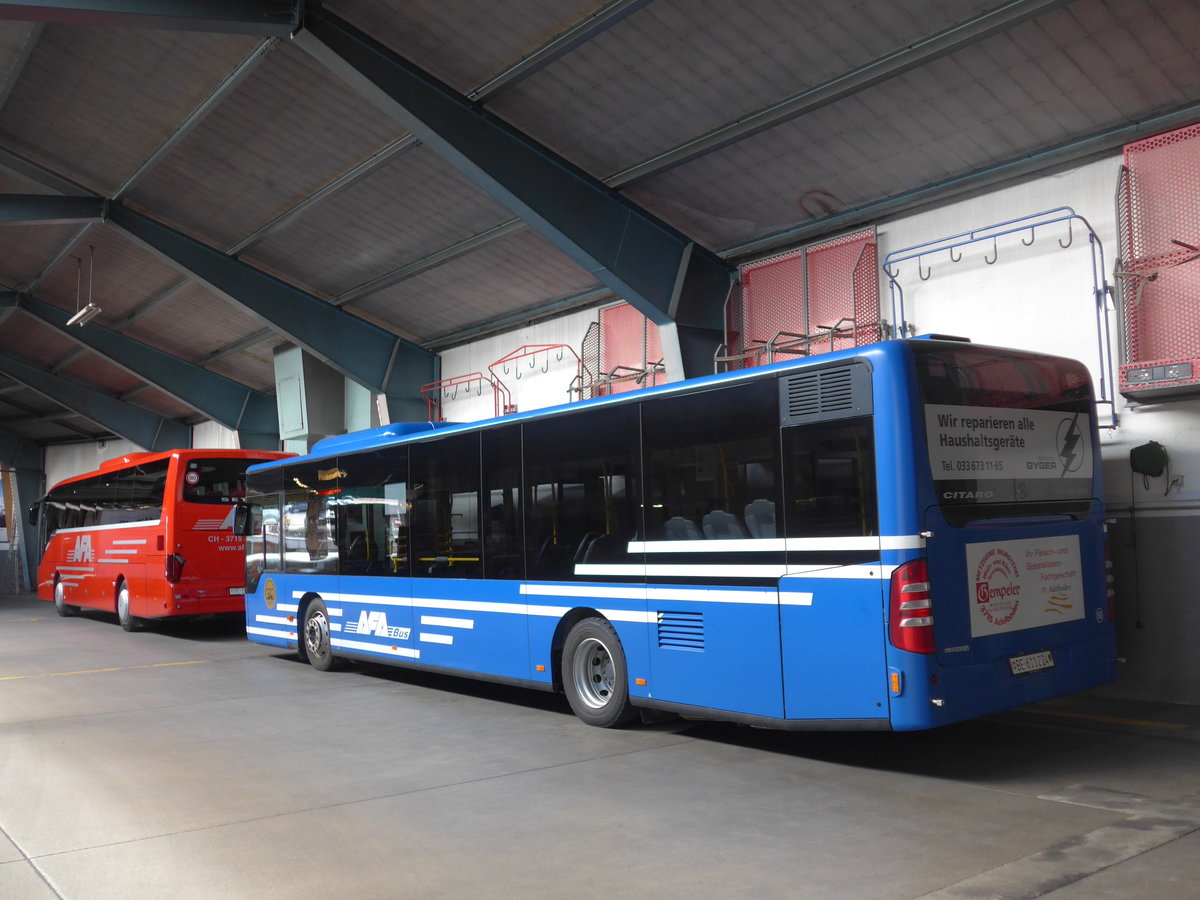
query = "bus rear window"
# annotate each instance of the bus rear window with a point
(1008, 433)
(215, 480)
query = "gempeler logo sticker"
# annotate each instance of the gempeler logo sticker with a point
(998, 587)
(1021, 584)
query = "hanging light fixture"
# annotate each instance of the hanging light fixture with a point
(85, 314)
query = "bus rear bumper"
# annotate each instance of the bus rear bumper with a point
(935, 694)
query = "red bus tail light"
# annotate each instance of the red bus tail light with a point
(910, 608)
(174, 568)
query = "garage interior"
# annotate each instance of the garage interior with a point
(260, 224)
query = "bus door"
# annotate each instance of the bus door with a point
(832, 599)
(833, 639)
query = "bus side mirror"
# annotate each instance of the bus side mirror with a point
(34, 509)
(241, 520)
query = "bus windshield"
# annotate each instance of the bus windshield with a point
(1008, 433)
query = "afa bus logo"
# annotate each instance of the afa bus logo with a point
(82, 551)
(998, 587)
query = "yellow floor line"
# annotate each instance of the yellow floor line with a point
(189, 662)
(1116, 720)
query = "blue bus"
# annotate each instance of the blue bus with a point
(897, 536)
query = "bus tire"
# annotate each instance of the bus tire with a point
(317, 647)
(61, 606)
(594, 675)
(127, 619)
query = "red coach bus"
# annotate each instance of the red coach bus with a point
(147, 535)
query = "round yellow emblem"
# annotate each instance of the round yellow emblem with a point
(269, 593)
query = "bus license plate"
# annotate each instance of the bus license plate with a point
(1031, 662)
(237, 592)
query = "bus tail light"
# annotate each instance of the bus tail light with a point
(910, 619)
(1110, 584)
(174, 568)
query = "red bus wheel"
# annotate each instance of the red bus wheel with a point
(128, 621)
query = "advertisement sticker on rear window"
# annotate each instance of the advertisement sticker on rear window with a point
(995, 443)
(1024, 584)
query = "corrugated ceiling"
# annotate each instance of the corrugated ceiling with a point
(802, 113)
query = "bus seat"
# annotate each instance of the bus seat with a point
(720, 525)
(678, 528)
(760, 518)
(606, 548)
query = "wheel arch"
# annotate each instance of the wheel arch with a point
(565, 624)
(301, 612)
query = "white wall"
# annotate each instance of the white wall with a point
(534, 389)
(68, 460)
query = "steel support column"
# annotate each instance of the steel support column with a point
(28, 462)
(365, 353)
(249, 412)
(140, 426)
(658, 270)
(269, 18)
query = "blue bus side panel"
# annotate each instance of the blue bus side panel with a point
(474, 626)
(834, 644)
(720, 655)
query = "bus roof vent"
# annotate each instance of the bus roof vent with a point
(819, 395)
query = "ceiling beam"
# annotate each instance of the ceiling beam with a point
(268, 18)
(365, 353)
(47, 209)
(139, 426)
(228, 402)
(32, 35)
(557, 47)
(660, 271)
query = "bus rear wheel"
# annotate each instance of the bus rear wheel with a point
(594, 674)
(128, 621)
(61, 606)
(317, 647)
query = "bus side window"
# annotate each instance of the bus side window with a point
(445, 508)
(829, 471)
(582, 491)
(701, 487)
(503, 543)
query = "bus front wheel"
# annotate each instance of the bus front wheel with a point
(128, 621)
(594, 675)
(317, 647)
(61, 606)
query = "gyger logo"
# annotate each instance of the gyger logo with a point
(997, 587)
(1069, 439)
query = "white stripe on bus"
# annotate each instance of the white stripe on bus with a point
(149, 523)
(435, 638)
(129, 541)
(407, 652)
(444, 622)
(271, 632)
(775, 545)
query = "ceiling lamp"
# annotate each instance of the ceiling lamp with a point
(85, 314)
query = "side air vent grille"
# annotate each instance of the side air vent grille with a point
(838, 392)
(681, 630)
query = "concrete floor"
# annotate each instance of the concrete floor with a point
(186, 762)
